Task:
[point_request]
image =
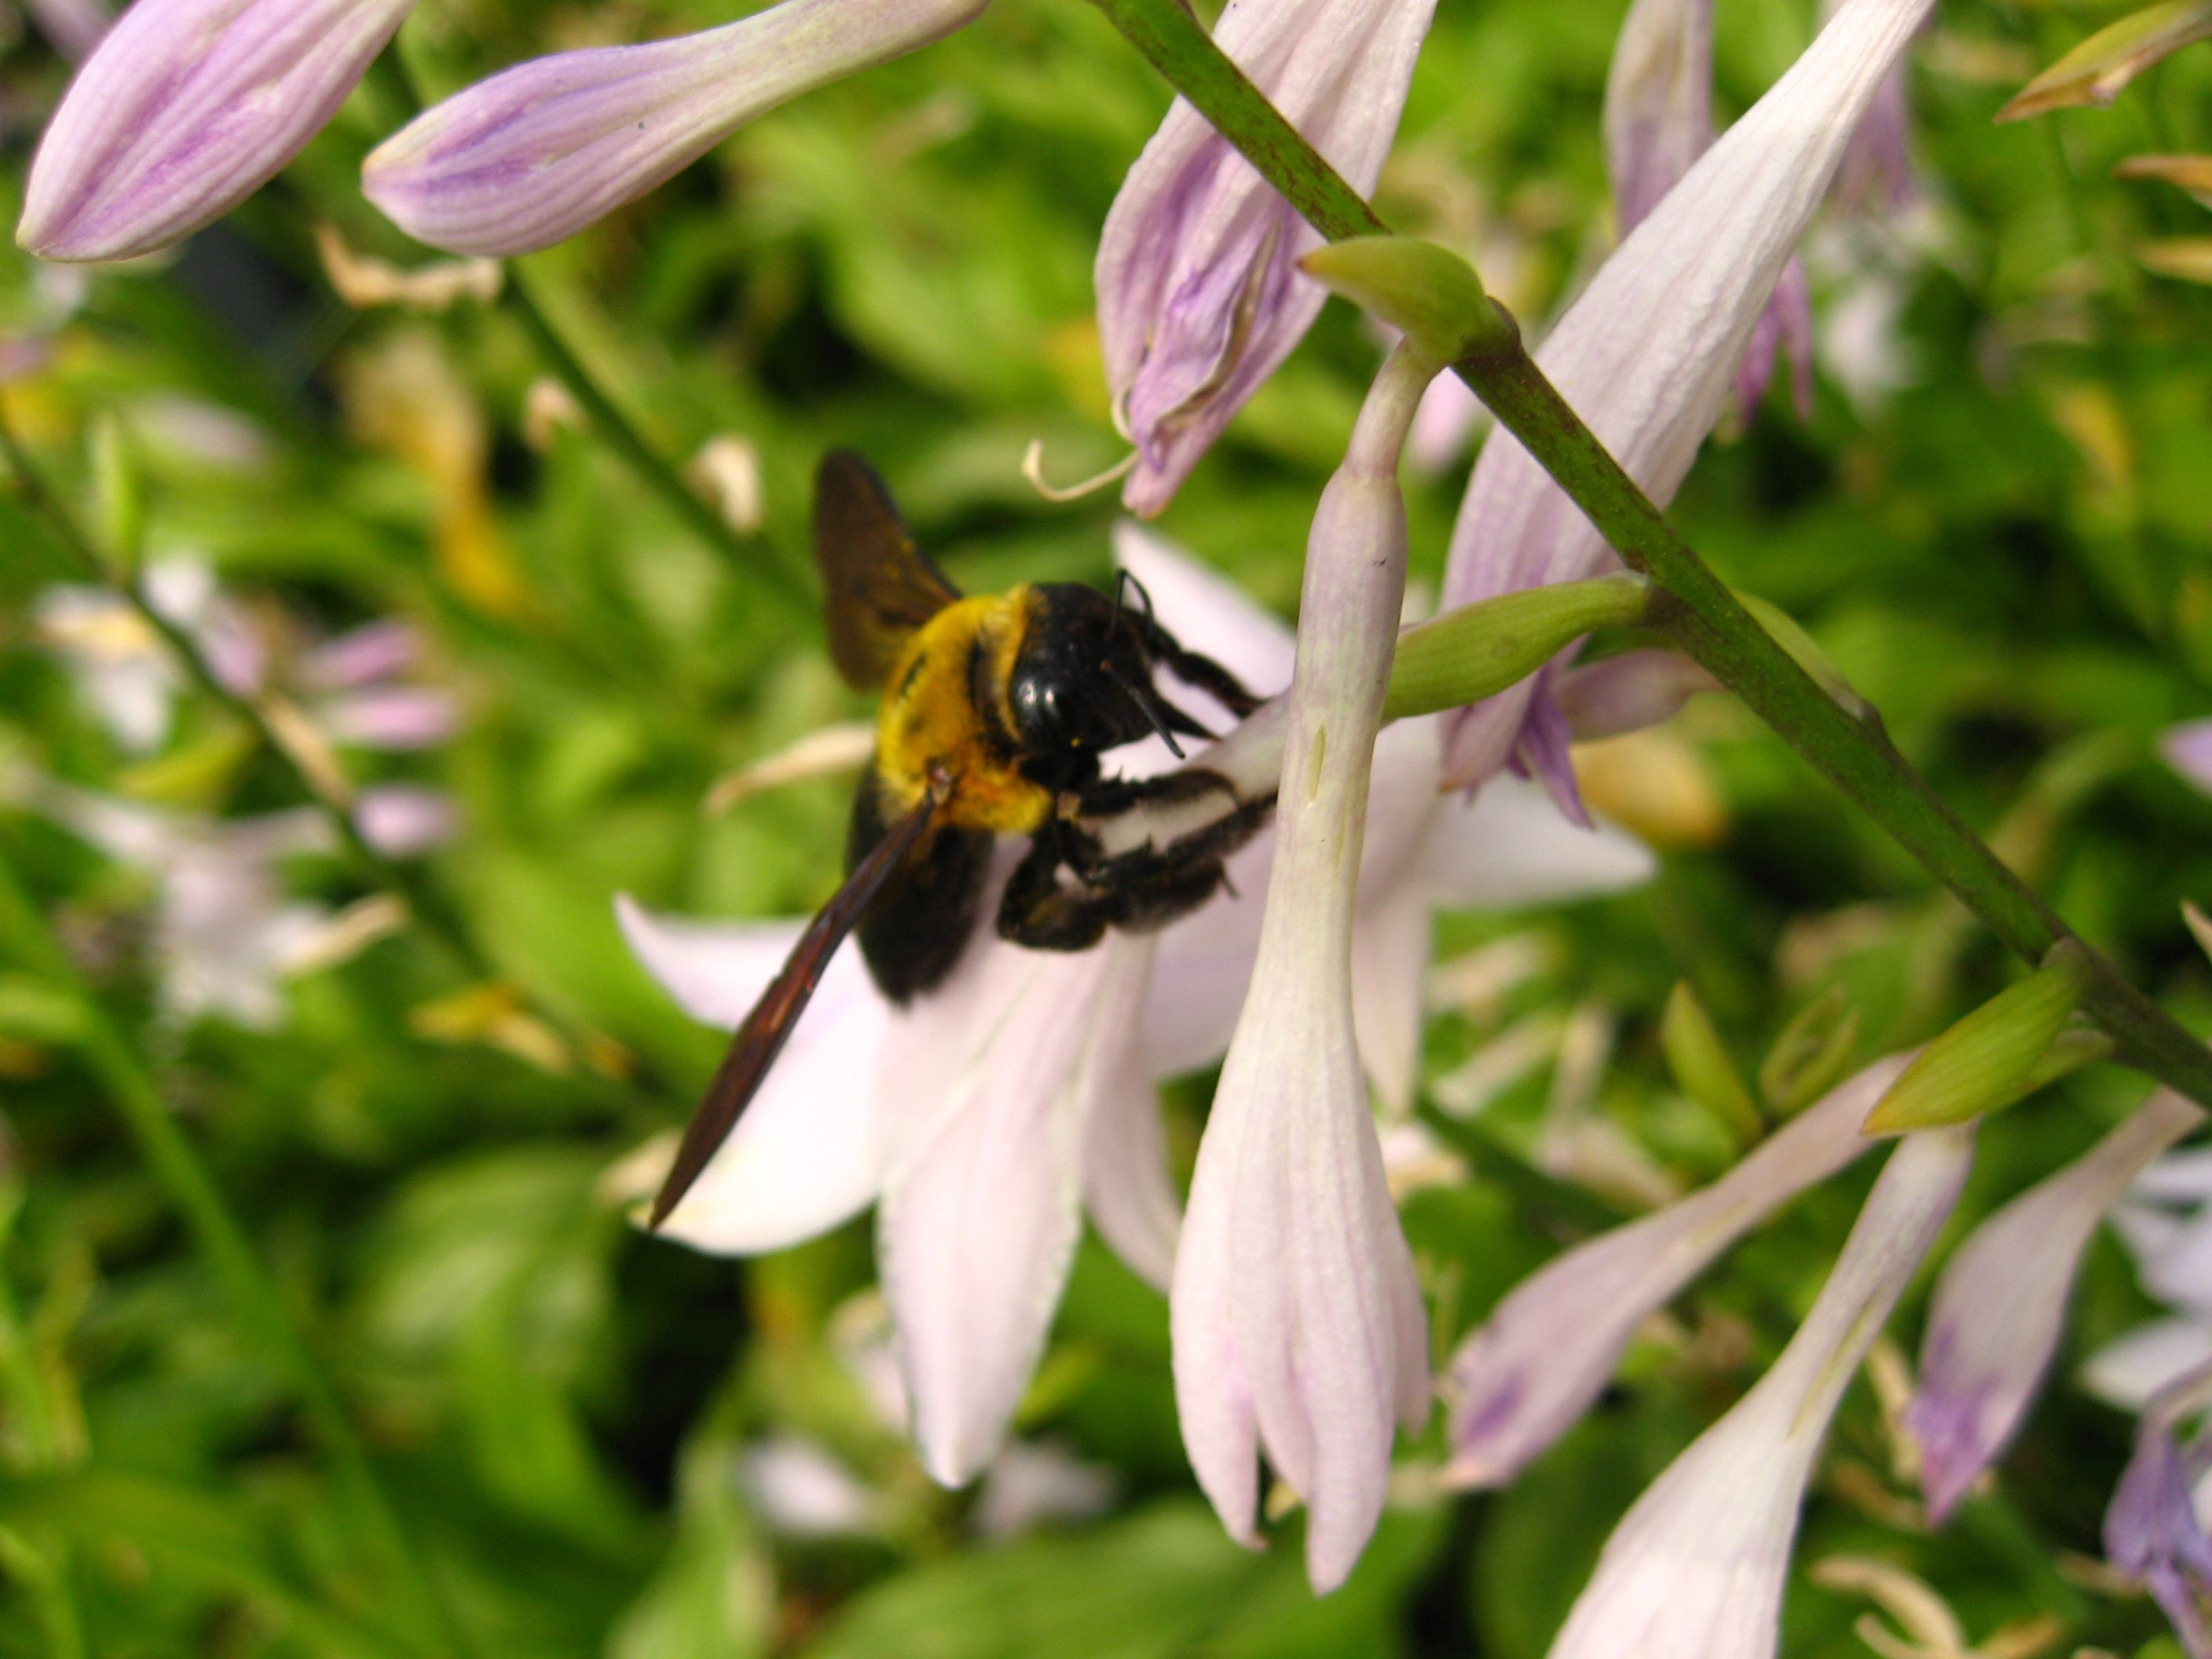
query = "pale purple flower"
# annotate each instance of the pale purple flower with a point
(539, 151)
(2153, 1532)
(225, 934)
(2188, 750)
(1876, 181)
(1695, 1569)
(2000, 1303)
(1658, 120)
(2165, 1222)
(1298, 1325)
(185, 109)
(800, 1490)
(1199, 299)
(355, 689)
(1033, 1484)
(1548, 1350)
(1629, 692)
(1658, 102)
(123, 669)
(1647, 354)
(1037, 1072)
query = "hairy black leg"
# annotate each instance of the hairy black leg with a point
(1145, 868)
(1038, 911)
(1111, 797)
(1196, 668)
(1137, 891)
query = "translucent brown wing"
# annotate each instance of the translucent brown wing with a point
(877, 586)
(761, 1037)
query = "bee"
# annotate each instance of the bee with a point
(995, 712)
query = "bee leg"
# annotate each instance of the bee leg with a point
(1196, 668)
(1111, 797)
(1163, 883)
(1036, 911)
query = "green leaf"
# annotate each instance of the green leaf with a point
(2094, 71)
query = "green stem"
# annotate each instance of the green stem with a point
(1848, 746)
(746, 555)
(222, 1242)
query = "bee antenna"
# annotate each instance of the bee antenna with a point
(1125, 580)
(1148, 704)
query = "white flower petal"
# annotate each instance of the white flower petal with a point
(981, 1212)
(1647, 355)
(1694, 1571)
(810, 1152)
(1509, 847)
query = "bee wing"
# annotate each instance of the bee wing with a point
(878, 585)
(761, 1037)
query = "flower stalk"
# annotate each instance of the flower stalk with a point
(1693, 605)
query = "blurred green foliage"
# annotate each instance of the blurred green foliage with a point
(1996, 522)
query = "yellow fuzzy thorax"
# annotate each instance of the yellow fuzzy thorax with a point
(930, 718)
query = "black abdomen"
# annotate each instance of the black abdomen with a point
(914, 932)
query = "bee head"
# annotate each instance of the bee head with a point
(1083, 677)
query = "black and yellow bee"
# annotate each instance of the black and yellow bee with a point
(995, 711)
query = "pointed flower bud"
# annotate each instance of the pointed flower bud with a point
(1199, 300)
(187, 108)
(539, 151)
(2002, 1302)
(1700, 1064)
(1477, 649)
(1430, 295)
(1984, 1062)
(1297, 1322)
(1695, 1569)
(1550, 1347)
(1811, 1053)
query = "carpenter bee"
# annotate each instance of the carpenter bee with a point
(995, 711)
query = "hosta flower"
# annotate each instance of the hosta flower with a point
(1646, 355)
(1658, 120)
(1035, 1072)
(1299, 1330)
(541, 150)
(2002, 1302)
(1695, 1569)
(1548, 1350)
(185, 109)
(225, 934)
(2165, 1220)
(356, 688)
(2187, 748)
(123, 670)
(1199, 299)
(2152, 1532)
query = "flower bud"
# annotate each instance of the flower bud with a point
(1988, 1059)
(1430, 295)
(535, 153)
(1478, 650)
(187, 108)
